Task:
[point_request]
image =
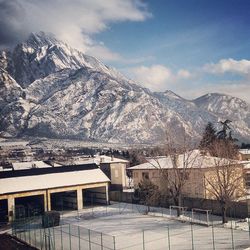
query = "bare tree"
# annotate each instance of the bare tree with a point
(225, 182)
(174, 167)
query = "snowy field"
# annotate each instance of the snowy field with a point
(122, 226)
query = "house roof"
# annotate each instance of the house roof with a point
(97, 159)
(192, 159)
(244, 151)
(29, 165)
(51, 180)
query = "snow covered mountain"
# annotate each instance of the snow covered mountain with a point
(228, 107)
(49, 89)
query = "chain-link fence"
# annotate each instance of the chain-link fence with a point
(133, 227)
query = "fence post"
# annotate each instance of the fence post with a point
(232, 234)
(25, 230)
(208, 222)
(192, 234)
(29, 232)
(101, 242)
(35, 236)
(114, 242)
(89, 240)
(61, 237)
(249, 227)
(40, 237)
(168, 239)
(79, 238)
(213, 233)
(69, 237)
(143, 240)
(54, 238)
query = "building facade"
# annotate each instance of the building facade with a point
(201, 174)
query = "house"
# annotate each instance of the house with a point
(29, 189)
(200, 171)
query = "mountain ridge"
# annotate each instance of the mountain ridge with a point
(60, 92)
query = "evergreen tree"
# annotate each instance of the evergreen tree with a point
(148, 193)
(226, 131)
(209, 136)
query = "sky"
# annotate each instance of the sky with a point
(191, 47)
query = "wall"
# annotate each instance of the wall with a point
(234, 179)
(118, 174)
(194, 185)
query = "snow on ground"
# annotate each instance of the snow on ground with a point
(123, 226)
(128, 226)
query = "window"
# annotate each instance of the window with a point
(135, 175)
(145, 175)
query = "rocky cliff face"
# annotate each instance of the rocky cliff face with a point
(49, 89)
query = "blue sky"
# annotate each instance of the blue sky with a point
(191, 47)
(185, 35)
(181, 33)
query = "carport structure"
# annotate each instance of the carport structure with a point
(28, 192)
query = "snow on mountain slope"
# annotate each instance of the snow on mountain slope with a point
(49, 89)
(228, 107)
(14, 108)
(94, 105)
(194, 116)
(42, 54)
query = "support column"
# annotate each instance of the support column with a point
(11, 208)
(48, 199)
(79, 199)
(45, 202)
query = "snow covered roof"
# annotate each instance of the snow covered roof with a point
(97, 159)
(192, 159)
(244, 151)
(29, 165)
(51, 180)
(109, 159)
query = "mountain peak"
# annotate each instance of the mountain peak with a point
(41, 38)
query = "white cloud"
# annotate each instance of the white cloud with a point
(184, 74)
(230, 65)
(102, 52)
(158, 77)
(73, 21)
(192, 84)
